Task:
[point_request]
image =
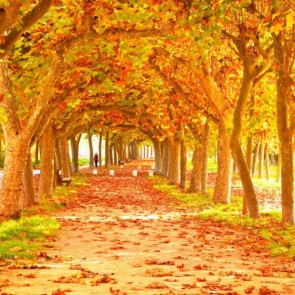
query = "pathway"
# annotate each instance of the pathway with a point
(124, 237)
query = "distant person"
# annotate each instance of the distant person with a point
(95, 158)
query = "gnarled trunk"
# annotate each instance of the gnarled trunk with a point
(235, 145)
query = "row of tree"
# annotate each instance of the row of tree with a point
(166, 68)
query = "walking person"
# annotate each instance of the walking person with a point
(95, 158)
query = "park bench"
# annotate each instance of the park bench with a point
(61, 180)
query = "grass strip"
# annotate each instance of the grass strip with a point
(279, 238)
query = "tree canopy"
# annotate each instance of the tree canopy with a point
(163, 67)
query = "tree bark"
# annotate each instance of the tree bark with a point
(205, 158)
(174, 160)
(1, 154)
(196, 176)
(12, 181)
(222, 191)
(261, 161)
(116, 160)
(158, 157)
(165, 152)
(255, 157)
(107, 151)
(37, 151)
(284, 84)
(89, 136)
(249, 160)
(100, 147)
(47, 150)
(279, 166)
(266, 162)
(75, 140)
(235, 145)
(64, 156)
(29, 188)
(183, 160)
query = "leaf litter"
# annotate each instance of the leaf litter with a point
(122, 232)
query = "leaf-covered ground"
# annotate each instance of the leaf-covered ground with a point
(122, 236)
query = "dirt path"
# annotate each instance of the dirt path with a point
(126, 238)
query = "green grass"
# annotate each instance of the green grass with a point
(212, 165)
(20, 238)
(279, 238)
(83, 161)
(62, 196)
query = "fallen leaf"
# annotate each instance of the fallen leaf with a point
(249, 290)
(158, 272)
(117, 292)
(30, 276)
(156, 285)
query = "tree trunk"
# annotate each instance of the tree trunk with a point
(64, 156)
(284, 84)
(222, 192)
(37, 151)
(107, 151)
(1, 154)
(17, 139)
(158, 157)
(165, 152)
(261, 161)
(249, 160)
(75, 140)
(174, 160)
(182, 164)
(266, 162)
(29, 188)
(47, 149)
(279, 166)
(12, 182)
(116, 160)
(100, 147)
(196, 176)
(124, 152)
(205, 158)
(89, 136)
(235, 145)
(112, 151)
(255, 158)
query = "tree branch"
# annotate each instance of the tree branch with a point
(27, 21)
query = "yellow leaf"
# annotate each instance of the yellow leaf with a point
(277, 28)
(290, 20)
